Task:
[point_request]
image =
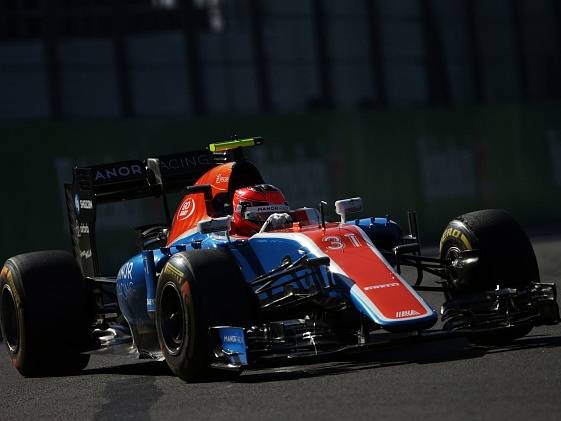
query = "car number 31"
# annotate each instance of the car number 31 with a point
(336, 242)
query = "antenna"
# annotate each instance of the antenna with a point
(322, 206)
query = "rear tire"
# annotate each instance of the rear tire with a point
(506, 259)
(43, 313)
(197, 290)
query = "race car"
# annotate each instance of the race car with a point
(237, 279)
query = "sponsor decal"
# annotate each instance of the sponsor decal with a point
(184, 162)
(257, 210)
(456, 233)
(233, 339)
(187, 209)
(406, 313)
(108, 174)
(126, 271)
(222, 179)
(389, 285)
(173, 272)
(86, 254)
(109, 217)
(270, 208)
(82, 229)
(233, 344)
(86, 204)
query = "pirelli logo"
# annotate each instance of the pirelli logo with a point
(456, 233)
(173, 272)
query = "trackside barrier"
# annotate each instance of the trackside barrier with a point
(441, 162)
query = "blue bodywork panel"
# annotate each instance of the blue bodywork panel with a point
(255, 257)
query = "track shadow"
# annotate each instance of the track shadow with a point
(450, 350)
(426, 353)
(147, 368)
(422, 353)
(527, 342)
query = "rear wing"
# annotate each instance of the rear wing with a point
(135, 179)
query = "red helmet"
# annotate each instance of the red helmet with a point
(253, 205)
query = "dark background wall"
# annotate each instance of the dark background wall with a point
(437, 105)
(111, 59)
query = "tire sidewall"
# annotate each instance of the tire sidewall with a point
(11, 279)
(191, 354)
(213, 293)
(49, 293)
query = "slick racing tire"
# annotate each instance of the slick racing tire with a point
(198, 289)
(506, 259)
(43, 313)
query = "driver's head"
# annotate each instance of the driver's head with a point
(253, 205)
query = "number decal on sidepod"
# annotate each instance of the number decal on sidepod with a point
(335, 242)
(353, 239)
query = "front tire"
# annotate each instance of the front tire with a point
(43, 313)
(198, 289)
(506, 259)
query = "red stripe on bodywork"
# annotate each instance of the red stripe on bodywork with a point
(346, 247)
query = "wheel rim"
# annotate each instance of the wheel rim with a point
(452, 254)
(9, 319)
(172, 319)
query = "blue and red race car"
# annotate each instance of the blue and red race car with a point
(237, 279)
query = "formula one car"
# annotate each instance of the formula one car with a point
(236, 279)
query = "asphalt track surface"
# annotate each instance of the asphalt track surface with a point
(442, 380)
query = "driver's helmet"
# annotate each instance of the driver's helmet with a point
(253, 205)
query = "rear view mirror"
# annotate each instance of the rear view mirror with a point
(214, 225)
(346, 206)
